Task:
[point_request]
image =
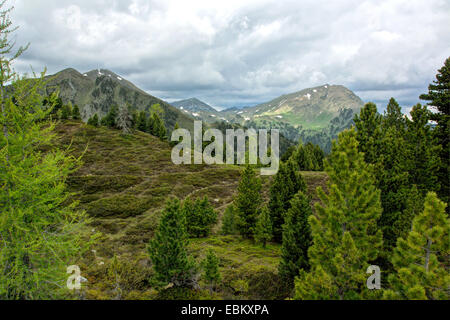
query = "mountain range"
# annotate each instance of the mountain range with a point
(313, 115)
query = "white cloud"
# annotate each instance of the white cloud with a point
(243, 52)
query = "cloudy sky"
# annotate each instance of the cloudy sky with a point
(238, 52)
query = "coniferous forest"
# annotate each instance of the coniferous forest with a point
(92, 207)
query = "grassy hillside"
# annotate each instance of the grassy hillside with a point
(123, 184)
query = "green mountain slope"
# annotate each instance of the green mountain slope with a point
(97, 90)
(123, 185)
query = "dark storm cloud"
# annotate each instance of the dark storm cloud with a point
(242, 52)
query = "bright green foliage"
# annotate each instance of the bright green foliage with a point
(285, 185)
(110, 119)
(39, 227)
(248, 202)
(76, 113)
(211, 268)
(296, 240)
(200, 216)
(263, 232)
(421, 259)
(66, 112)
(344, 228)
(93, 121)
(229, 221)
(167, 249)
(439, 97)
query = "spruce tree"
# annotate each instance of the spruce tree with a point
(285, 185)
(248, 202)
(296, 240)
(344, 227)
(421, 259)
(76, 113)
(110, 119)
(211, 269)
(439, 97)
(263, 231)
(167, 249)
(40, 229)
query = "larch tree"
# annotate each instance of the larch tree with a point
(39, 225)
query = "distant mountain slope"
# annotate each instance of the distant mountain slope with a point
(199, 110)
(311, 108)
(97, 90)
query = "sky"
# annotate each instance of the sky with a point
(242, 52)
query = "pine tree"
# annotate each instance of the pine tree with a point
(369, 133)
(439, 97)
(66, 112)
(141, 123)
(421, 259)
(263, 232)
(200, 217)
(296, 240)
(344, 227)
(76, 113)
(211, 269)
(110, 119)
(393, 117)
(167, 249)
(124, 120)
(40, 230)
(424, 152)
(248, 202)
(93, 121)
(285, 185)
(229, 221)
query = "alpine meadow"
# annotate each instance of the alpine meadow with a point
(291, 188)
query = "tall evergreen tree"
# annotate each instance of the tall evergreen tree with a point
(141, 123)
(229, 221)
(439, 97)
(167, 249)
(424, 151)
(200, 217)
(248, 201)
(40, 230)
(66, 112)
(93, 121)
(296, 240)
(369, 133)
(285, 185)
(344, 227)
(421, 259)
(211, 269)
(76, 113)
(263, 231)
(110, 119)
